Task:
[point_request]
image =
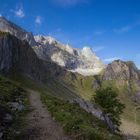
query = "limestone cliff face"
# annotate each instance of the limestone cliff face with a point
(83, 61)
(18, 55)
(7, 26)
(121, 69)
(125, 74)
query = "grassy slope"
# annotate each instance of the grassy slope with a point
(64, 88)
(52, 87)
(76, 121)
(85, 89)
(130, 115)
(81, 85)
(68, 87)
(10, 92)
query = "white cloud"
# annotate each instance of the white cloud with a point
(0, 15)
(111, 59)
(38, 20)
(19, 12)
(99, 48)
(69, 2)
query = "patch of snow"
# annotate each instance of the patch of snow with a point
(87, 72)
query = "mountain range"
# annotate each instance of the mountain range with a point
(82, 61)
(46, 51)
(65, 72)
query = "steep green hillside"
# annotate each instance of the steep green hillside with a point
(51, 86)
(77, 122)
(66, 87)
(127, 91)
(83, 86)
(131, 115)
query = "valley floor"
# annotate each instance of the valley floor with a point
(41, 126)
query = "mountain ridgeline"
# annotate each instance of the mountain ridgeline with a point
(17, 56)
(65, 72)
(7, 26)
(82, 61)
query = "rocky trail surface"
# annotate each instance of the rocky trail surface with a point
(41, 126)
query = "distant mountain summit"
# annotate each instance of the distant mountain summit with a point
(124, 75)
(83, 61)
(7, 26)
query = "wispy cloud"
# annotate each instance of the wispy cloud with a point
(126, 28)
(99, 32)
(123, 29)
(98, 49)
(69, 2)
(112, 59)
(38, 20)
(19, 12)
(0, 15)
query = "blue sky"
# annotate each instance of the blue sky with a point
(110, 27)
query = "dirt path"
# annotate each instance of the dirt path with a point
(41, 126)
(130, 129)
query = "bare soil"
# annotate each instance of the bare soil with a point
(130, 129)
(41, 126)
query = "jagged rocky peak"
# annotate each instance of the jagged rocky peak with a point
(70, 50)
(43, 40)
(83, 61)
(7, 26)
(121, 69)
(87, 51)
(124, 75)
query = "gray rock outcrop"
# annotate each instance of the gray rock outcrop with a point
(125, 74)
(7, 26)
